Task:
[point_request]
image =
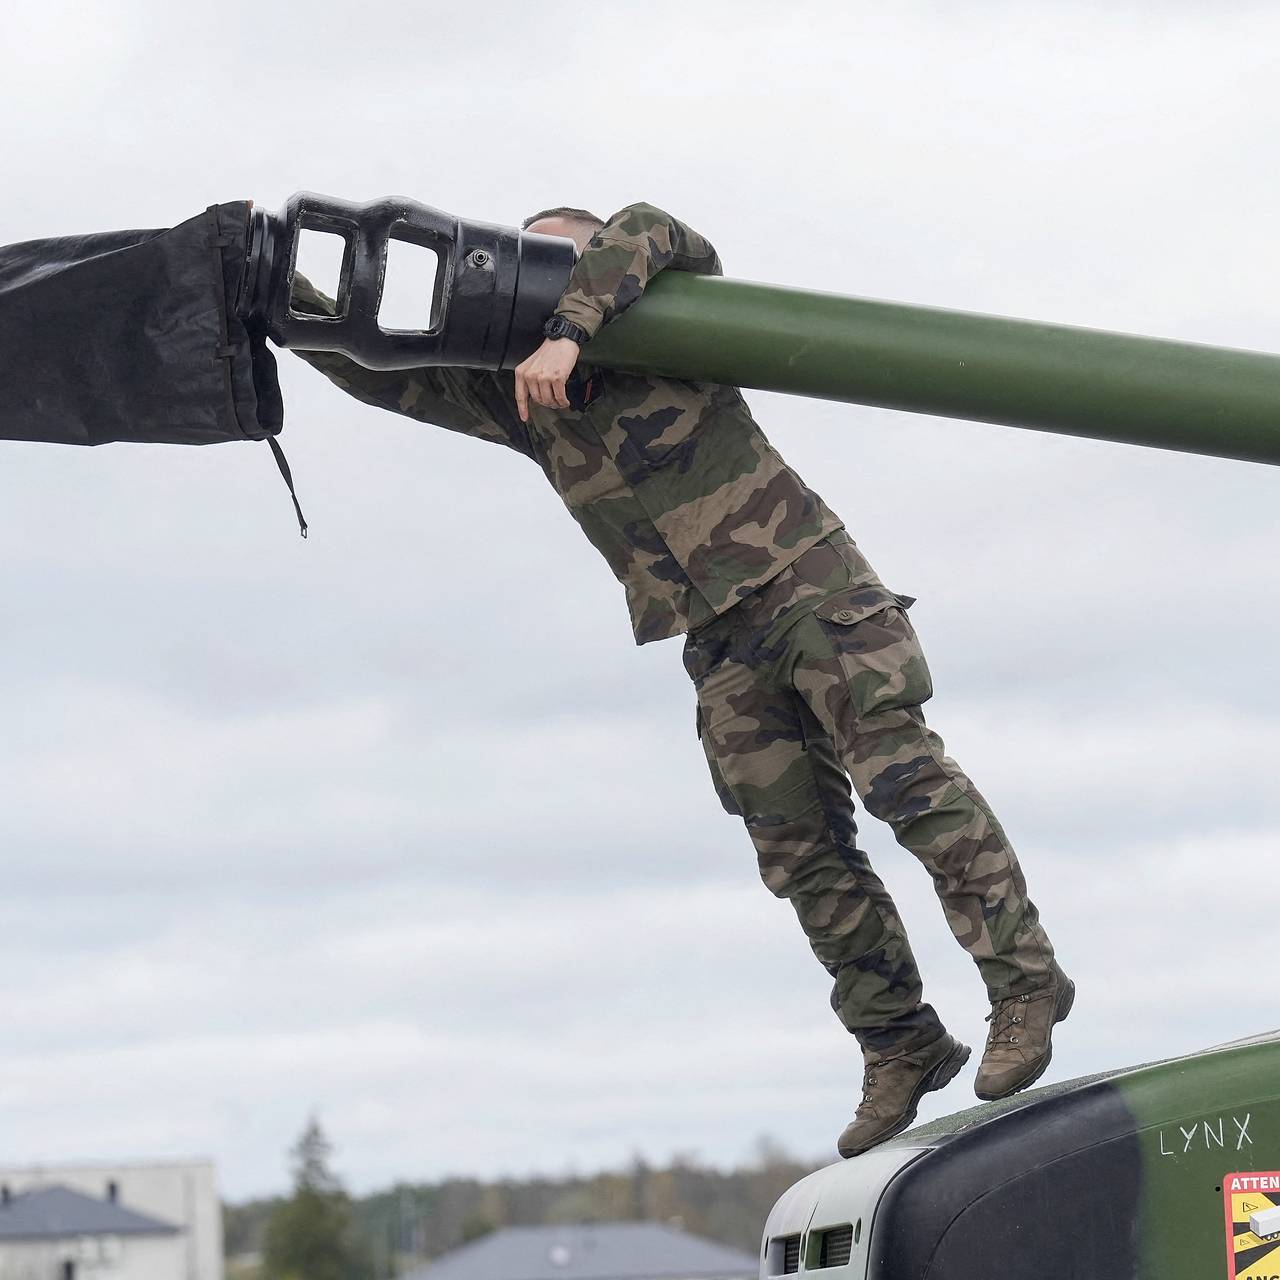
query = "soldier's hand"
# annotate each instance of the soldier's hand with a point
(542, 376)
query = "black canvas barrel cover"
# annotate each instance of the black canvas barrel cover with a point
(133, 335)
(1051, 1190)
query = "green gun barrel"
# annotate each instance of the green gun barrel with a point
(1074, 381)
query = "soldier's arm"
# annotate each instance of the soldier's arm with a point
(618, 262)
(466, 400)
(623, 256)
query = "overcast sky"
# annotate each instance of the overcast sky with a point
(396, 823)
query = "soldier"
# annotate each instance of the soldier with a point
(807, 670)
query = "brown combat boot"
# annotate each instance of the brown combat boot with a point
(892, 1089)
(1020, 1043)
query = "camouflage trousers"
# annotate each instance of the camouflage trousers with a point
(816, 679)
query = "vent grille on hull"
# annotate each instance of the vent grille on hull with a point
(836, 1247)
(790, 1255)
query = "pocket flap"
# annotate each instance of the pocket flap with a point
(855, 603)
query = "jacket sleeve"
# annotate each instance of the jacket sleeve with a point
(471, 401)
(623, 256)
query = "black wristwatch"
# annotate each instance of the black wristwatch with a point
(559, 327)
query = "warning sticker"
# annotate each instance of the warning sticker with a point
(1252, 1202)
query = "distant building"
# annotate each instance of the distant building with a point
(54, 1233)
(594, 1251)
(140, 1221)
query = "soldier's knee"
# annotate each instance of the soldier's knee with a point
(789, 868)
(813, 871)
(904, 789)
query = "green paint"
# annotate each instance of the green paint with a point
(1197, 1119)
(1083, 382)
(1189, 1114)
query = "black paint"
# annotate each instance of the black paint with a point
(1049, 1190)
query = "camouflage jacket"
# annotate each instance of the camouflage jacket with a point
(672, 480)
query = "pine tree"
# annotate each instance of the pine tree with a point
(310, 1236)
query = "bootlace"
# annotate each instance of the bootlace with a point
(1005, 1017)
(868, 1087)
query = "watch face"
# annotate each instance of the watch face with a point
(557, 328)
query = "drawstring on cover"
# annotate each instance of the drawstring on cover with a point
(278, 452)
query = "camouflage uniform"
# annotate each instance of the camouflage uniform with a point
(816, 679)
(806, 667)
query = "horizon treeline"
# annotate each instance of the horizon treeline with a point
(409, 1224)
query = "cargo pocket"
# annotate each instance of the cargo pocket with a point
(717, 778)
(876, 644)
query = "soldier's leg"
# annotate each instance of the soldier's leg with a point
(858, 664)
(775, 767)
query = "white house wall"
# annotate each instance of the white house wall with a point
(139, 1258)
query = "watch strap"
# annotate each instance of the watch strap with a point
(559, 327)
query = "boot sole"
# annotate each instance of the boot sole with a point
(1065, 1001)
(937, 1077)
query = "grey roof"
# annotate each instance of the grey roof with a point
(594, 1251)
(55, 1212)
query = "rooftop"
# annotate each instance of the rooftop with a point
(594, 1251)
(52, 1213)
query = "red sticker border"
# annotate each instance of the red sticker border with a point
(1271, 1179)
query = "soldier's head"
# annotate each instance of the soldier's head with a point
(577, 225)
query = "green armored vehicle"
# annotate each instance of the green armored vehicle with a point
(1169, 1171)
